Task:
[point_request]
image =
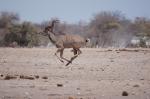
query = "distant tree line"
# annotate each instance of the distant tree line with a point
(105, 29)
(16, 33)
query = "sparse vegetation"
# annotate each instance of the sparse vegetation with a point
(105, 29)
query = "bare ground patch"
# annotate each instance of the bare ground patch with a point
(97, 73)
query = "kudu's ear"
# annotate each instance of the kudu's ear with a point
(56, 21)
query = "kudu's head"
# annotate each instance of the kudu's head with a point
(50, 28)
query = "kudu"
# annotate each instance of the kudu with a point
(63, 41)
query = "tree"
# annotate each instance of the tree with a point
(142, 26)
(7, 21)
(28, 35)
(108, 28)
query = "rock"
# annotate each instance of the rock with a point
(124, 93)
(26, 77)
(59, 85)
(117, 52)
(1, 75)
(36, 76)
(8, 77)
(142, 79)
(136, 85)
(109, 50)
(44, 77)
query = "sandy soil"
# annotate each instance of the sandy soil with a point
(96, 74)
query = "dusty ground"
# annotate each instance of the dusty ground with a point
(95, 74)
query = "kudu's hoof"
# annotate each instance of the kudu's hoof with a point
(62, 61)
(68, 63)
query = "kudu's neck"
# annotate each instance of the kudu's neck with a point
(51, 34)
(52, 37)
(53, 23)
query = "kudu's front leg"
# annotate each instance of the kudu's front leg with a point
(61, 55)
(58, 56)
(61, 58)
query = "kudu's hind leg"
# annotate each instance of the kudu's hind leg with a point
(76, 53)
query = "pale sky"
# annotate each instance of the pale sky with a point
(73, 11)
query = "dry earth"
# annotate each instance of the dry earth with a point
(96, 74)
